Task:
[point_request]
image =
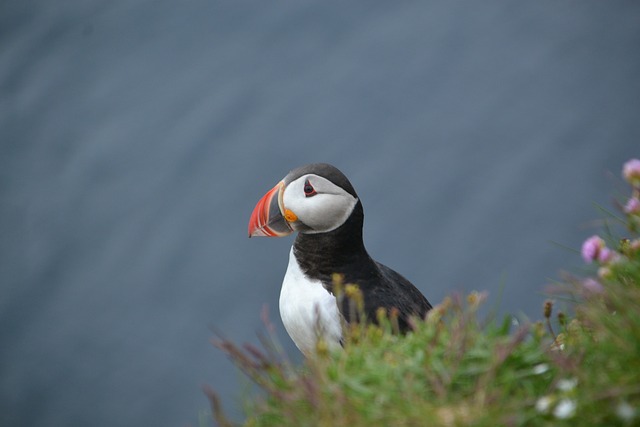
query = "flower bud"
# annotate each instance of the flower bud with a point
(548, 307)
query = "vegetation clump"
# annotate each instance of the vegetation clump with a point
(453, 369)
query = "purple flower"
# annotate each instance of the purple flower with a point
(632, 206)
(591, 248)
(631, 171)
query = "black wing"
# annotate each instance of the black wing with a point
(388, 289)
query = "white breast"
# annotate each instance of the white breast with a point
(308, 310)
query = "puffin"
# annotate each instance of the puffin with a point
(319, 203)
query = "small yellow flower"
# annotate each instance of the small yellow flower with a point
(604, 273)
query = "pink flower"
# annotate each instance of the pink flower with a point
(631, 171)
(632, 206)
(591, 248)
(592, 286)
(606, 255)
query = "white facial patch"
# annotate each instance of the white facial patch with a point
(326, 210)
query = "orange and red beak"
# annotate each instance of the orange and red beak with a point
(268, 217)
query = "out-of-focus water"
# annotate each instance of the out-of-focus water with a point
(136, 137)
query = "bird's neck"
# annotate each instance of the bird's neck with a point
(339, 251)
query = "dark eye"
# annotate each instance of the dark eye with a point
(308, 189)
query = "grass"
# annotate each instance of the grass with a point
(454, 369)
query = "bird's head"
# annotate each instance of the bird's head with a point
(315, 198)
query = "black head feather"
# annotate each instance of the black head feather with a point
(324, 170)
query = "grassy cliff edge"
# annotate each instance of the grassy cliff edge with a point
(454, 369)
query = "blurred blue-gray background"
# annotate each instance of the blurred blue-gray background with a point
(136, 137)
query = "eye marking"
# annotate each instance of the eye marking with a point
(308, 189)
